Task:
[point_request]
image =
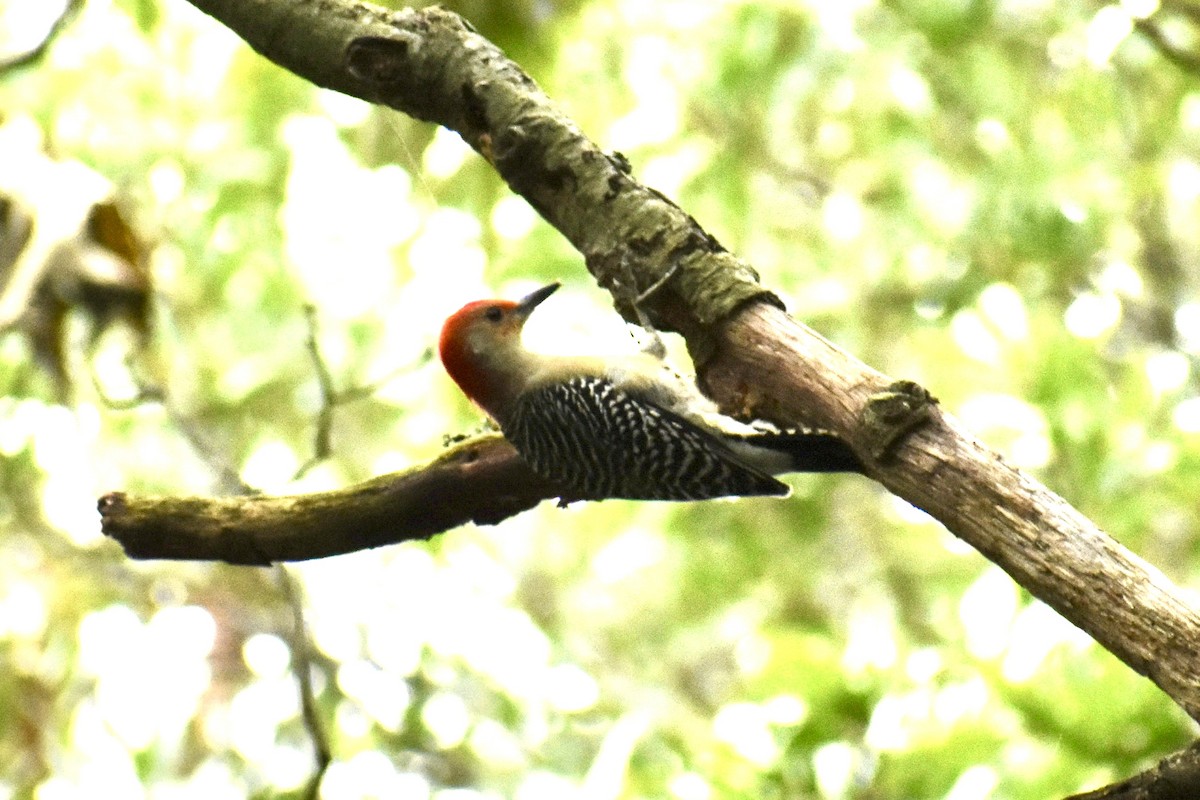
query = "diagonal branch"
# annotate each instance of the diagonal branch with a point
(1176, 777)
(750, 355)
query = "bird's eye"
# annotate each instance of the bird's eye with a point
(493, 314)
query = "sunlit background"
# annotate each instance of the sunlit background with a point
(999, 199)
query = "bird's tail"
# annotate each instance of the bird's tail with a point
(799, 451)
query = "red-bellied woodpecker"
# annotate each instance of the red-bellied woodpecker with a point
(625, 427)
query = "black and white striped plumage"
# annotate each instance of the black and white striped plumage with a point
(599, 441)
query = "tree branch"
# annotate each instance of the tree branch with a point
(750, 355)
(1176, 777)
(481, 480)
(11, 61)
(1177, 54)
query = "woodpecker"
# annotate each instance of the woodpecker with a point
(626, 427)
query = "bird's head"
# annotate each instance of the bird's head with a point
(481, 348)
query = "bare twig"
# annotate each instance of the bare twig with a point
(332, 397)
(302, 666)
(322, 439)
(1179, 56)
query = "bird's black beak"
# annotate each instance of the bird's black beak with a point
(531, 301)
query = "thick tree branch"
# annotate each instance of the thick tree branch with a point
(481, 480)
(750, 355)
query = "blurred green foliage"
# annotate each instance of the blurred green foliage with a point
(1000, 200)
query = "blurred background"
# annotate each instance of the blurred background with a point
(999, 199)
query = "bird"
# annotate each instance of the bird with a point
(626, 426)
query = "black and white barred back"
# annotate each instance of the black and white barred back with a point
(598, 441)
